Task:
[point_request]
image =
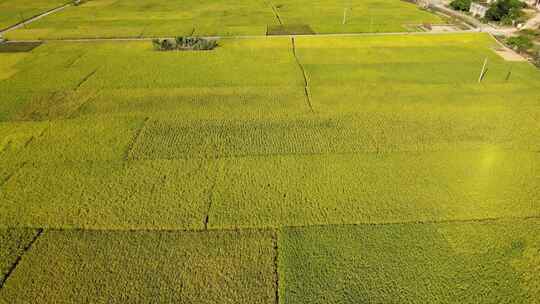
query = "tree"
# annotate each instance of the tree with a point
(504, 10)
(520, 43)
(461, 5)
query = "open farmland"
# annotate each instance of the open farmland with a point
(359, 169)
(13, 12)
(128, 18)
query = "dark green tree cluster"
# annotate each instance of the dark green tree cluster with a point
(505, 11)
(461, 5)
(185, 44)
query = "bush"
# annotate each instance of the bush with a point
(520, 43)
(461, 5)
(505, 10)
(185, 43)
(536, 58)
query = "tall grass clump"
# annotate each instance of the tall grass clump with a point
(185, 44)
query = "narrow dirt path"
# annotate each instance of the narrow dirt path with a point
(28, 21)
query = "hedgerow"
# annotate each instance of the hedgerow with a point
(185, 44)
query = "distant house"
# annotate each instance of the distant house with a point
(479, 9)
(533, 3)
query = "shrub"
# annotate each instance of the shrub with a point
(536, 58)
(461, 5)
(505, 10)
(520, 43)
(185, 43)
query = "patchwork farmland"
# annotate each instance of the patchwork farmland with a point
(349, 167)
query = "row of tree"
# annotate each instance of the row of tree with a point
(185, 44)
(505, 11)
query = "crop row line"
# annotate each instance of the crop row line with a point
(19, 258)
(132, 144)
(276, 13)
(274, 229)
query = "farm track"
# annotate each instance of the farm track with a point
(253, 36)
(34, 18)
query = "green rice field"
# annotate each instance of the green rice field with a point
(13, 12)
(130, 18)
(273, 169)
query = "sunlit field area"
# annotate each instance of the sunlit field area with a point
(309, 170)
(151, 18)
(279, 169)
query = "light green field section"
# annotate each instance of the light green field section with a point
(199, 103)
(368, 16)
(241, 78)
(141, 267)
(429, 70)
(122, 18)
(109, 138)
(370, 188)
(109, 195)
(488, 262)
(12, 245)
(15, 11)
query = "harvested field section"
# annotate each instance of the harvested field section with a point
(137, 267)
(485, 262)
(108, 195)
(367, 188)
(13, 243)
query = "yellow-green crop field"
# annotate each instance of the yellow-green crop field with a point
(151, 18)
(365, 169)
(13, 12)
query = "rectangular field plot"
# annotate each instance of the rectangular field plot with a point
(367, 132)
(199, 103)
(15, 11)
(404, 60)
(106, 138)
(12, 245)
(106, 18)
(368, 16)
(368, 188)
(108, 195)
(141, 267)
(488, 262)
(123, 18)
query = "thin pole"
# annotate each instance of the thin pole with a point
(483, 70)
(344, 15)
(509, 73)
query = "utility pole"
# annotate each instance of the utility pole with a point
(483, 70)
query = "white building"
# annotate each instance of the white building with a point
(479, 9)
(533, 3)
